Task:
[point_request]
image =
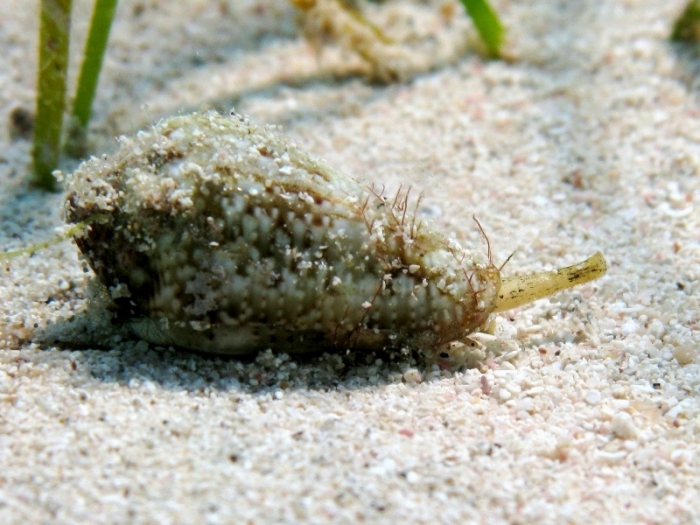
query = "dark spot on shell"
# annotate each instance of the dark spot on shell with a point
(158, 160)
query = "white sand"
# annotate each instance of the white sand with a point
(589, 140)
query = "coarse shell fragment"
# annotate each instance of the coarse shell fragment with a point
(224, 237)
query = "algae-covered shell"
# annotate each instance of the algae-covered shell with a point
(221, 236)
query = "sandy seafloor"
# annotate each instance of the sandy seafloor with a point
(588, 140)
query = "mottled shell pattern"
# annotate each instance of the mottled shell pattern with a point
(221, 236)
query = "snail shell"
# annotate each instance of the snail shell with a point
(221, 236)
